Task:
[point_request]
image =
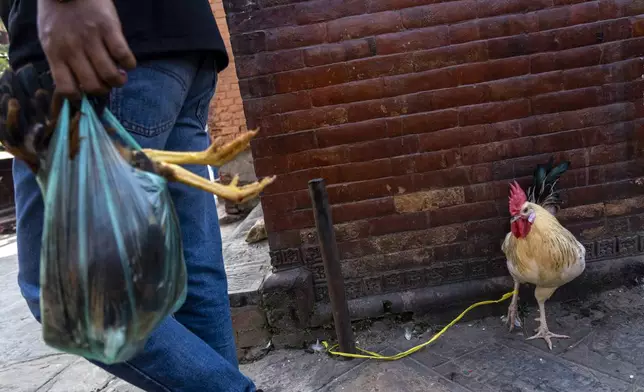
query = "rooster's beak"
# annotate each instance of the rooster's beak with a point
(515, 218)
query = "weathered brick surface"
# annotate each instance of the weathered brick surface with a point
(226, 117)
(418, 113)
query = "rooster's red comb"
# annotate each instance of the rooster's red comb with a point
(517, 198)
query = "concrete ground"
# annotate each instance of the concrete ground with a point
(605, 353)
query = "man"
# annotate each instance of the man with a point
(172, 51)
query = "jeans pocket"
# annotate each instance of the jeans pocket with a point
(151, 100)
(203, 107)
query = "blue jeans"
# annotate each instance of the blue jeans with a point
(164, 105)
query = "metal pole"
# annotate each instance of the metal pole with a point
(331, 259)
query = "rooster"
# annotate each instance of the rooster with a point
(539, 250)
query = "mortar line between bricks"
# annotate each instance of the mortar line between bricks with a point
(532, 350)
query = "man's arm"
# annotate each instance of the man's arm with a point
(84, 45)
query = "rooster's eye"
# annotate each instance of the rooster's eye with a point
(524, 211)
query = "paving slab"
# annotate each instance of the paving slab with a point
(405, 375)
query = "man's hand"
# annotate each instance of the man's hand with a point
(84, 45)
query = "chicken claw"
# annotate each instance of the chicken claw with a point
(546, 335)
(230, 192)
(216, 155)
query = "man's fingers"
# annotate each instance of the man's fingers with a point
(86, 75)
(65, 81)
(104, 65)
(119, 49)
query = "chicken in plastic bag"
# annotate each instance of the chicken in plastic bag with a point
(111, 263)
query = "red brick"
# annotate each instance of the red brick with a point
(292, 181)
(383, 148)
(454, 177)
(277, 104)
(358, 191)
(318, 158)
(271, 165)
(268, 63)
(509, 47)
(554, 18)
(452, 55)
(349, 92)
(637, 26)
(487, 191)
(385, 5)
(310, 78)
(493, 112)
(585, 13)
(611, 9)
(314, 118)
(358, 171)
(251, 21)
(508, 89)
(279, 203)
(463, 213)
(397, 223)
(422, 81)
(248, 43)
(586, 77)
(472, 135)
(362, 210)
(323, 10)
(439, 14)
(384, 66)
(294, 220)
(335, 53)
(352, 133)
(364, 25)
(429, 122)
(508, 25)
(566, 100)
(412, 40)
(420, 163)
(420, 102)
(502, 7)
(367, 110)
(268, 126)
(464, 32)
(282, 145)
(602, 154)
(459, 96)
(261, 86)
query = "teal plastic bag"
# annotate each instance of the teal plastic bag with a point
(112, 264)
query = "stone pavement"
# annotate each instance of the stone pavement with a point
(606, 352)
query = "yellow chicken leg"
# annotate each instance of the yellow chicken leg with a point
(216, 155)
(230, 192)
(542, 294)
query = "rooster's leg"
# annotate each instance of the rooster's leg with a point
(513, 316)
(542, 294)
(216, 155)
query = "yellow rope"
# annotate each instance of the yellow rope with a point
(372, 355)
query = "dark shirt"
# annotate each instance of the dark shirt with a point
(153, 29)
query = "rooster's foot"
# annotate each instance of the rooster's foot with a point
(513, 318)
(546, 335)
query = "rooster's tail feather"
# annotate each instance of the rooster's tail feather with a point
(543, 190)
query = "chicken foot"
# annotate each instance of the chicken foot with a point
(216, 155)
(543, 294)
(230, 192)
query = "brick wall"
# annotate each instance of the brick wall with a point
(419, 112)
(226, 111)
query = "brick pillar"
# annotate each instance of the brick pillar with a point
(226, 110)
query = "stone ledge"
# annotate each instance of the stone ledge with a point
(443, 303)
